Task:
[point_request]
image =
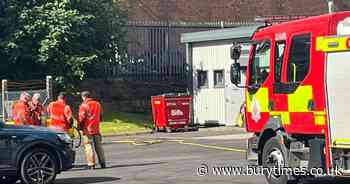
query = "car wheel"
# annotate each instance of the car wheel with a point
(39, 166)
(8, 180)
(275, 156)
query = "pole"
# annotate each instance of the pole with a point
(49, 88)
(167, 46)
(190, 79)
(330, 6)
(4, 99)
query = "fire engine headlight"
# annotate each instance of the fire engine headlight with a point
(65, 138)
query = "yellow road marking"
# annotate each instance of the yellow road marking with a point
(211, 146)
(153, 141)
(129, 142)
(148, 142)
(137, 143)
(176, 140)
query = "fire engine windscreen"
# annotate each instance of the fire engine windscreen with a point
(260, 67)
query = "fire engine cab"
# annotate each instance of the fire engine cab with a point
(297, 100)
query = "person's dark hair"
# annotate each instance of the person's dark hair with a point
(62, 95)
(86, 94)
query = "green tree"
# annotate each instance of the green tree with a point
(62, 38)
(109, 32)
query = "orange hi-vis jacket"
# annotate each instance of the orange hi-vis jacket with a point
(60, 114)
(90, 117)
(37, 111)
(21, 114)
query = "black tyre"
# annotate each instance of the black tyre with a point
(8, 179)
(275, 155)
(39, 166)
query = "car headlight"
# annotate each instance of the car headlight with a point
(65, 138)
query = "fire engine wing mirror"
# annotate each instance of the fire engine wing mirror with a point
(236, 51)
(235, 74)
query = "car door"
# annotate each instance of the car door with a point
(5, 148)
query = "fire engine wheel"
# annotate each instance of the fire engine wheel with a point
(274, 156)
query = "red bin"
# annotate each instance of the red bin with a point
(171, 112)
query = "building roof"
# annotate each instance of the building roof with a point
(239, 33)
(225, 10)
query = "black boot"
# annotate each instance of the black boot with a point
(103, 165)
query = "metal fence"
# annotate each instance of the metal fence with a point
(155, 52)
(13, 96)
(11, 90)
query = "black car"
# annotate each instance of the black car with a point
(34, 155)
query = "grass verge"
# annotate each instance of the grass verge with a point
(115, 123)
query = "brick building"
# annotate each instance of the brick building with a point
(155, 27)
(157, 62)
(225, 10)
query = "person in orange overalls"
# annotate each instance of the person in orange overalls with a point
(60, 114)
(89, 122)
(21, 113)
(37, 109)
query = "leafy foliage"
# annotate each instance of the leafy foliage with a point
(63, 38)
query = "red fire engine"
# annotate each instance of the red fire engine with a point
(298, 95)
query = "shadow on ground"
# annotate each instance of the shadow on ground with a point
(85, 180)
(327, 180)
(84, 167)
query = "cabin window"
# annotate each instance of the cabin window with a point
(219, 79)
(299, 58)
(202, 79)
(279, 55)
(260, 65)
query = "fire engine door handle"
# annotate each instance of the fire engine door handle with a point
(271, 105)
(311, 105)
